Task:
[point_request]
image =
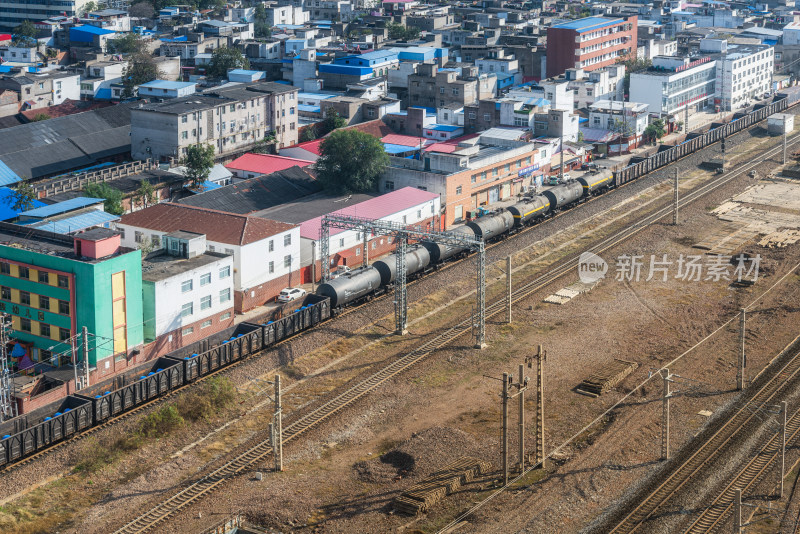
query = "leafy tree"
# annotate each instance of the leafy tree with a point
(351, 162)
(41, 117)
(142, 10)
(308, 134)
(88, 7)
(632, 64)
(654, 131)
(260, 27)
(25, 34)
(142, 68)
(398, 31)
(111, 195)
(580, 136)
(130, 43)
(224, 59)
(198, 162)
(332, 121)
(145, 195)
(22, 196)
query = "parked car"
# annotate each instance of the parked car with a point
(291, 293)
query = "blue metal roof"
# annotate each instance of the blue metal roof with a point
(5, 68)
(444, 128)
(70, 225)
(6, 200)
(397, 149)
(310, 109)
(84, 34)
(180, 39)
(587, 25)
(62, 207)
(351, 70)
(316, 96)
(103, 94)
(7, 176)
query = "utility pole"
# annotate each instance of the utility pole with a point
(313, 266)
(74, 361)
(686, 119)
(541, 357)
(675, 213)
(505, 429)
(742, 358)
(561, 168)
(277, 435)
(783, 443)
(6, 391)
(365, 241)
(522, 385)
(784, 141)
(737, 511)
(85, 357)
(508, 286)
(665, 417)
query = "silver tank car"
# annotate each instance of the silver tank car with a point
(595, 181)
(490, 226)
(528, 209)
(561, 195)
(350, 286)
(417, 258)
(440, 252)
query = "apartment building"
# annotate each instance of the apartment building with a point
(602, 84)
(627, 119)
(99, 78)
(674, 83)
(43, 90)
(13, 13)
(230, 119)
(744, 72)
(435, 87)
(590, 43)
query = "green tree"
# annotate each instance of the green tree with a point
(111, 195)
(332, 121)
(22, 196)
(41, 117)
(632, 64)
(580, 136)
(142, 68)
(130, 43)
(351, 162)
(88, 7)
(261, 28)
(145, 195)
(25, 34)
(142, 10)
(398, 31)
(224, 59)
(654, 131)
(308, 134)
(198, 162)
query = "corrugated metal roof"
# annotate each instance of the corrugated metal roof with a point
(398, 149)
(309, 109)
(407, 140)
(62, 207)
(265, 163)
(587, 24)
(6, 212)
(76, 223)
(7, 176)
(374, 208)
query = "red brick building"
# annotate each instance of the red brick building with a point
(590, 43)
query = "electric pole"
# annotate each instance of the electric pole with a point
(561, 168)
(675, 213)
(313, 266)
(74, 361)
(737, 511)
(505, 429)
(686, 119)
(783, 443)
(522, 385)
(541, 357)
(665, 417)
(508, 286)
(277, 428)
(784, 141)
(7, 400)
(85, 357)
(741, 360)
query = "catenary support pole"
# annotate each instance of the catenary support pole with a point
(785, 135)
(737, 511)
(85, 357)
(74, 361)
(675, 213)
(783, 443)
(741, 360)
(278, 443)
(313, 266)
(365, 247)
(541, 356)
(665, 418)
(505, 429)
(508, 286)
(521, 418)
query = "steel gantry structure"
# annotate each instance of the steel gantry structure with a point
(402, 235)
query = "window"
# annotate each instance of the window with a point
(458, 190)
(229, 251)
(441, 90)
(25, 298)
(389, 185)
(5, 293)
(44, 302)
(63, 307)
(487, 117)
(24, 273)
(184, 135)
(205, 324)
(205, 279)
(187, 309)
(187, 331)
(271, 267)
(455, 91)
(474, 178)
(44, 330)
(472, 115)
(419, 214)
(44, 277)
(63, 334)
(24, 324)
(156, 240)
(494, 171)
(287, 261)
(233, 107)
(184, 118)
(225, 272)
(287, 240)
(186, 286)
(138, 236)
(63, 281)
(205, 302)
(225, 295)
(341, 243)
(5, 268)
(225, 316)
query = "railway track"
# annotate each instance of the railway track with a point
(713, 517)
(293, 431)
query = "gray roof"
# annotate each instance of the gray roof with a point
(258, 193)
(158, 267)
(306, 208)
(62, 144)
(214, 97)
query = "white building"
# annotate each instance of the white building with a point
(16, 54)
(266, 253)
(602, 84)
(628, 119)
(744, 72)
(187, 292)
(791, 33)
(673, 83)
(557, 91)
(167, 89)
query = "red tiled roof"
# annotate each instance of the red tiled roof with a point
(451, 145)
(265, 163)
(68, 107)
(374, 208)
(405, 140)
(218, 226)
(376, 128)
(311, 146)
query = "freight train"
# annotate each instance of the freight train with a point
(26, 435)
